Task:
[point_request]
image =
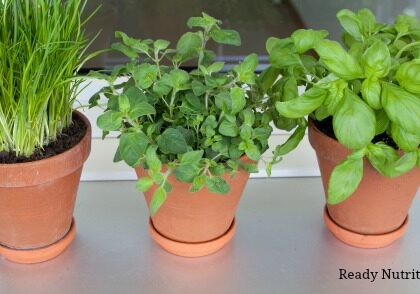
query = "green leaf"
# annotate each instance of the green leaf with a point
(305, 40)
(144, 184)
(387, 161)
(198, 183)
(161, 44)
(252, 151)
(132, 147)
(152, 160)
(354, 123)
(177, 79)
(246, 70)
(402, 107)
(267, 78)
(229, 37)
(123, 103)
(273, 42)
(291, 143)
(371, 92)
(350, 22)
(405, 140)
(367, 21)
(215, 67)
(203, 22)
(228, 128)
(161, 88)
(186, 172)
(281, 57)
(117, 156)
(110, 121)
(141, 109)
(338, 61)
(198, 88)
(172, 142)
(238, 99)
(189, 45)
(145, 74)
(303, 105)
(408, 76)
(159, 197)
(192, 157)
(382, 122)
(376, 60)
(217, 185)
(345, 178)
(127, 51)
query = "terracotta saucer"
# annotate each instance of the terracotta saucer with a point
(364, 241)
(192, 249)
(41, 254)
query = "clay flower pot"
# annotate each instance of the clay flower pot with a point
(195, 224)
(37, 202)
(376, 214)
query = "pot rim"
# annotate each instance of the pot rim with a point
(28, 173)
(88, 131)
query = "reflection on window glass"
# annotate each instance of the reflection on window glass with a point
(256, 20)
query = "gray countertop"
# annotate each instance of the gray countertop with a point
(281, 246)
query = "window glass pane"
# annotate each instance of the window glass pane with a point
(256, 20)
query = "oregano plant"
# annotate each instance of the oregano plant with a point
(367, 89)
(195, 125)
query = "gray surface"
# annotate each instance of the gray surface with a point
(281, 246)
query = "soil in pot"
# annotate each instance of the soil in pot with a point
(378, 207)
(37, 198)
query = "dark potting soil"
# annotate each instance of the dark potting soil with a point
(69, 138)
(326, 126)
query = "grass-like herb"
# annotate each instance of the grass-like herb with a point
(42, 46)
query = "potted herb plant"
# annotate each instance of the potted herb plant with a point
(43, 143)
(193, 137)
(364, 119)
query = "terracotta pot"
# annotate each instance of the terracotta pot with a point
(377, 209)
(37, 202)
(195, 224)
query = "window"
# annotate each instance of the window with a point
(256, 20)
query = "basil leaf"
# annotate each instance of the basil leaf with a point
(345, 178)
(354, 123)
(405, 140)
(338, 61)
(387, 161)
(408, 76)
(402, 107)
(305, 40)
(141, 109)
(291, 143)
(376, 60)
(371, 92)
(303, 105)
(145, 74)
(350, 22)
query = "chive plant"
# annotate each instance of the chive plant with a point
(42, 46)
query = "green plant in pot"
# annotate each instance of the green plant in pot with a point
(43, 143)
(193, 137)
(363, 102)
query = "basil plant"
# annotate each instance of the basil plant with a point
(195, 125)
(369, 90)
